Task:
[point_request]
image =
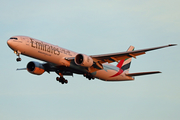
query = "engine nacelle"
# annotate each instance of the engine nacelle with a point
(83, 60)
(35, 68)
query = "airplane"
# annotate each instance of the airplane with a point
(66, 63)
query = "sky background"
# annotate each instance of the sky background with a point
(92, 27)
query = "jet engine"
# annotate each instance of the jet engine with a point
(35, 68)
(83, 60)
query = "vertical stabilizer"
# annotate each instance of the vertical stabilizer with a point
(125, 63)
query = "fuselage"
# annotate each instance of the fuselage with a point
(54, 54)
(40, 50)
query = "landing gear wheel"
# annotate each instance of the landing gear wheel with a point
(18, 59)
(57, 78)
(62, 82)
(65, 81)
(17, 52)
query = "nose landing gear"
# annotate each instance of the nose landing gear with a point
(18, 54)
(18, 59)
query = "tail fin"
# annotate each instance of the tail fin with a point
(125, 63)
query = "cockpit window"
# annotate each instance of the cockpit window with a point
(14, 38)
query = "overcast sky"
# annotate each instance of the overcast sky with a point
(94, 27)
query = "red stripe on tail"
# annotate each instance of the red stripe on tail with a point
(119, 65)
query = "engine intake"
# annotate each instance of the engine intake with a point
(35, 68)
(83, 60)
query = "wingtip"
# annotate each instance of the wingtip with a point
(156, 72)
(172, 44)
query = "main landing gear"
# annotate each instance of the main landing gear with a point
(18, 54)
(61, 79)
(88, 76)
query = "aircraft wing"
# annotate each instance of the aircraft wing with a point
(115, 57)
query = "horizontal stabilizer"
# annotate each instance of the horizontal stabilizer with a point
(142, 73)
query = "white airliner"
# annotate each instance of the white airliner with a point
(66, 62)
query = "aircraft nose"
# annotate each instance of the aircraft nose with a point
(9, 42)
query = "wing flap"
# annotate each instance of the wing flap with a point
(142, 73)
